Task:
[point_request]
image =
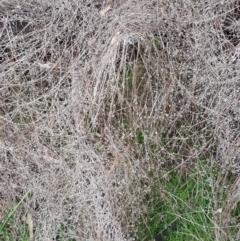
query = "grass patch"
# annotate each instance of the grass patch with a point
(140, 137)
(129, 78)
(157, 41)
(8, 225)
(180, 207)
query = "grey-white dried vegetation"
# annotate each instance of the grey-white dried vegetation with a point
(77, 88)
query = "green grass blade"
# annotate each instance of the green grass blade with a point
(13, 211)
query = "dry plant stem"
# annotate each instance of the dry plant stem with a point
(30, 226)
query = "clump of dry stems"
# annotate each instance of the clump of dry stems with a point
(96, 97)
